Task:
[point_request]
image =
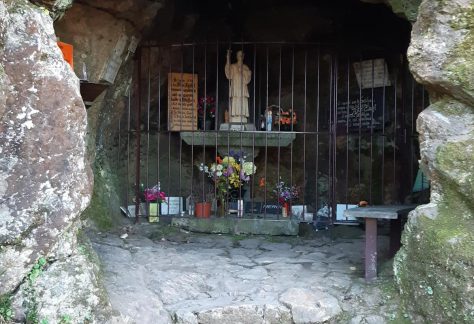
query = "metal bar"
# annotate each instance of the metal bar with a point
(158, 146)
(237, 43)
(266, 137)
(291, 115)
(137, 131)
(334, 137)
(304, 129)
(395, 139)
(383, 133)
(252, 180)
(192, 138)
(279, 124)
(318, 64)
(148, 120)
(331, 141)
(217, 109)
(129, 105)
(204, 123)
(360, 135)
(347, 130)
(169, 137)
(180, 194)
(372, 134)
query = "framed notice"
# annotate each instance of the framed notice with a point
(182, 101)
(173, 206)
(372, 73)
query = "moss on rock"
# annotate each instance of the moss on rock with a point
(406, 8)
(435, 268)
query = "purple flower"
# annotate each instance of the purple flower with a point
(229, 171)
(243, 177)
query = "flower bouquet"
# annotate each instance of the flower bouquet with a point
(154, 197)
(286, 194)
(229, 174)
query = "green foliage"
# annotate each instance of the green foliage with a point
(65, 319)
(6, 312)
(30, 293)
(36, 270)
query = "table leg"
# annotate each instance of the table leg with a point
(395, 235)
(370, 249)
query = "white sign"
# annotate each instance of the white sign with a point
(340, 212)
(173, 206)
(372, 73)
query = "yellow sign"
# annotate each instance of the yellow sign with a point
(182, 101)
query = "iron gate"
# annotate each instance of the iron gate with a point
(354, 139)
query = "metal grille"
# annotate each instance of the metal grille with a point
(354, 139)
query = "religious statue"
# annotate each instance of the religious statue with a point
(239, 76)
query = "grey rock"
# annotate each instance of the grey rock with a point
(236, 314)
(368, 319)
(45, 178)
(308, 306)
(440, 51)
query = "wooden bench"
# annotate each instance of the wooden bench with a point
(371, 213)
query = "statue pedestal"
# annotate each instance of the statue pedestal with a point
(248, 142)
(238, 127)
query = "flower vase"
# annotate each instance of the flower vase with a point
(285, 209)
(153, 212)
(209, 124)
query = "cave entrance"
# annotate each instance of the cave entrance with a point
(346, 107)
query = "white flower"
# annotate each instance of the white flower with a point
(249, 168)
(219, 167)
(219, 173)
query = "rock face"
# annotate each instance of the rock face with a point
(45, 179)
(105, 34)
(435, 267)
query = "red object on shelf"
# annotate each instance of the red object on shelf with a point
(68, 51)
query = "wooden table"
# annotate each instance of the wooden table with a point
(371, 214)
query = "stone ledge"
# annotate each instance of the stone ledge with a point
(237, 226)
(246, 139)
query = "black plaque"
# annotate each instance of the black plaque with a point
(364, 111)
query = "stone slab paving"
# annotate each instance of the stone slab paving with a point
(162, 275)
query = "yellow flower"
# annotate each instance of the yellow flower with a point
(236, 167)
(229, 160)
(234, 180)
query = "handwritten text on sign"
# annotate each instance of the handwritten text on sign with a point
(182, 101)
(358, 113)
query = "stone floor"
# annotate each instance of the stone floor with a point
(157, 274)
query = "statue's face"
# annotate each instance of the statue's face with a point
(240, 56)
